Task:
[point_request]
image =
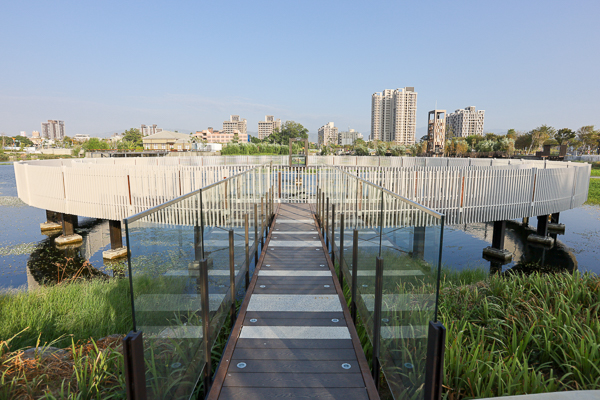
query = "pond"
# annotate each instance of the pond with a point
(28, 257)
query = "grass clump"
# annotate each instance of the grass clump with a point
(519, 334)
(82, 309)
(594, 192)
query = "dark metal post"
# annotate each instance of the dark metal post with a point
(247, 246)
(341, 261)
(115, 233)
(318, 205)
(434, 367)
(69, 222)
(354, 271)
(323, 214)
(232, 277)
(332, 231)
(419, 242)
(256, 234)
(262, 223)
(135, 368)
(554, 218)
(498, 235)
(377, 320)
(205, 323)
(542, 225)
(327, 225)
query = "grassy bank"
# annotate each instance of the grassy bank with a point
(506, 334)
(594, 192)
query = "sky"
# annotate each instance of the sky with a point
(107, 66)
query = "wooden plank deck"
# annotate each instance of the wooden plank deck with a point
(294, 337)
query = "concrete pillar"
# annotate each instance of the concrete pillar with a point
(53, 222)
(117, 250)
(542, 225)
(555, 227)
(496, 253)
(418, 242)
(69, 237)
(525, 221)
(116, 236)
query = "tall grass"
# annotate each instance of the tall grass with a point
(594, 192)
(81, 310)
(521, 334)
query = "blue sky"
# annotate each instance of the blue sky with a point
(103, 67)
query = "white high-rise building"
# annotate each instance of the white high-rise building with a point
(467, 122)
(328, 133)
(394, 116)
(147, 130)
(235, 125)
(266, 127)
(349, 137)
(53, 130)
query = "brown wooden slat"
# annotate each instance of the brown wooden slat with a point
(294, 380)
(246, 393)
(296, 367)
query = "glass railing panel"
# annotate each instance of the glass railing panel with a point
(410, 249)
(166, 293)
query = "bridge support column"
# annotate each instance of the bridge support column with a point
(525, 221)
(496, 251)
(541, 236)
(418, 242)
(554, 227)
(116, 242)
(53, 222)
(69, 223)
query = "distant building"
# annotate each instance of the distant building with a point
(23, 133)
(467, 122)
(436, 131)
(348, 138)
(394, 116)
(266, 127)
(53, 130)
(235, 124)
(35, 134)
(147, 130)
(328, 134)
(213, 136)
(81, 138)
(167, 140)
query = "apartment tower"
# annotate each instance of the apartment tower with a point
(53, 130)
(394, 116)
(328, 134)
(436, 131)
(467, 122)
(266, 127)
(235, 125)
(147, 130)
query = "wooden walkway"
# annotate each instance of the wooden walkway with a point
(294, 337)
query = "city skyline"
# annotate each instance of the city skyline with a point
(535, 68)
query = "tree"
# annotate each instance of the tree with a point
(236, 138)
(289, 130)
(361, 150)
(23, 141)
(511, 134)
(95, 144)
(255, 140)
(564, 136)
(539, 135)
(588, 137)
(133, 137)
(523, 141)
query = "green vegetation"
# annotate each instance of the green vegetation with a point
(594, 192)
(95, 144)
(252, 149)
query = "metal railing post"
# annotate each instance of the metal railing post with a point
(323, 213)
(434, 366)
(377, 321)
(341, 261)
(135, 368)
(247, 248)
(332, 231)
(204, 303)
(354, 271)
(256, 235)
(262, 223)
(318, 212)
(327, 225)
(232, 276)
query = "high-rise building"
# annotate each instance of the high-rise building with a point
(147, 130)
(436, 131)
(53, 129)
(348, 138)
(235, 124)
(467, 122)
(394, 116)
(266, 127)
(328, 134)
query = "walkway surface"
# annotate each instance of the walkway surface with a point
(294, 337)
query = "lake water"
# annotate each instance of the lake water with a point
(22, 243)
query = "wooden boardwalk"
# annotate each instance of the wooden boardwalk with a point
(294, 337)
